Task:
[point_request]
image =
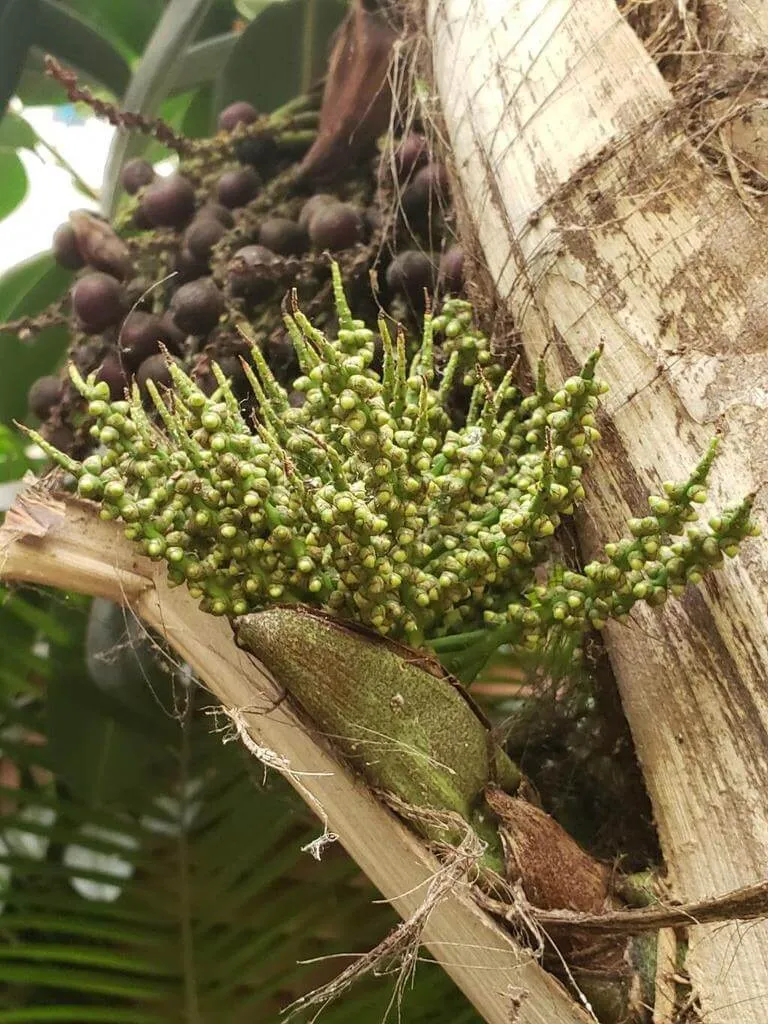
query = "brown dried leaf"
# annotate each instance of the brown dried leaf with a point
(357, 97)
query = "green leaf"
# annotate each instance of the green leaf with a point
(16, 133)
(17, 23)
(80, 45)
(128, 26)
(13, 182)
(26, 290)
(152, 80)
(203, 61)
(248, 9)
(94, 754)
(280, 54)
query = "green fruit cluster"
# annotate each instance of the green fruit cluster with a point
(370, 501)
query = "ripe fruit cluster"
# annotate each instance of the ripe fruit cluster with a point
(194, 253)
(370, 501)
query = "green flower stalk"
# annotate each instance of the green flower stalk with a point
(374, 501)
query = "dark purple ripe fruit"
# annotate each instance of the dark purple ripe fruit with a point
(168, 202)
(136, 174)
(155, 368)
(410, 154)
(427, 193)
(283, 236)
(98, 301)
(174, 336)
(236, 188)
(112, 372)
(256, 151)
(336, 227)
(65, 249)
(248, 275)
(451, 276)
(218, 212)
(141, 336)
(313, 205)
(202, 234)
(197, 306)
(410, 274)
(43, 395)
(235, 114)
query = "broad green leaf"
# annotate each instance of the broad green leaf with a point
(16, 133)
(127, 26)
(203, 61)
(13, 462)
(17, 22)
(13, 182)
(81, 46)
(94, 754)
(26, 290)
(280, 54)
(152, 80)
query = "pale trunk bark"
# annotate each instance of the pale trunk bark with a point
(62, 543)
(597, 220)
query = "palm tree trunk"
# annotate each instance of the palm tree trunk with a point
(597, 219)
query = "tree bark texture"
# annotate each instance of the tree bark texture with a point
(62, 543)
(598, 220)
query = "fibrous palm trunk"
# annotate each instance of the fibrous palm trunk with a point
(599, 220)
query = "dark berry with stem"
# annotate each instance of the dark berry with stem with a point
(247, 274)
(65, 248)
(283, 236)
(202, 234)
(411, 273)
(236, 188)
(112, 373)
(313, 205)
(336, 227)
(155, 368)
(141, 336)
(451, 274)
(98, 301)
(168, 202)
(236, 113)
(197, 306)
(410, 154)
(136, 174)
(44, 394)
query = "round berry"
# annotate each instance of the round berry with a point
(197, 306)
(336, 227)
(43, 395)
(236, 188)
(113, 374)
(218, 212)
(410, 274)
(140, 336)
(155, 368)
(98, 301)
(451, 275)
(201, 236)
(136, 174)
(256, 151)
(168, 202)
(235, 114)
(428, 191)
(247, 273)
(410, 154)
(65, 248)
(174, 337)
(283, 236)
(312, 205)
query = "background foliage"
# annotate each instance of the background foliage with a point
(147, 873)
